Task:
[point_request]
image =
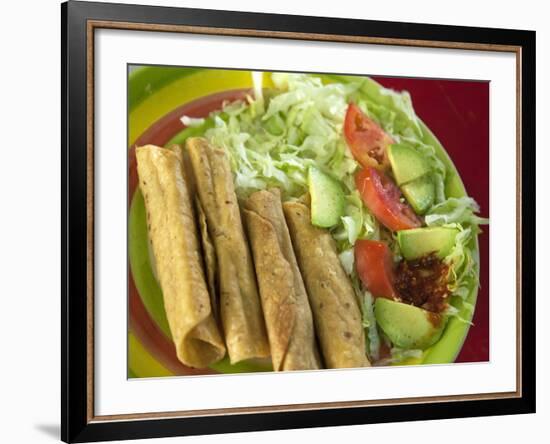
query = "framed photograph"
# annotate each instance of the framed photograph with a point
(275, 221)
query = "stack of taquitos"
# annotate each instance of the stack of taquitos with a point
(284, 299)
(285, 258)
(240, 308)
(173, 236)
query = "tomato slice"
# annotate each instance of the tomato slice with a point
(374, 265)
(366, 140)
(382, 197)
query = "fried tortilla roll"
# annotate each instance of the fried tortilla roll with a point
(210, 262)
(335, 309)
(173, 236)
(284, 299)
(240, 308)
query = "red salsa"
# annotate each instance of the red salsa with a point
(423, 282)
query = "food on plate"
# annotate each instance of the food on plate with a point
(383, 199)
(327, 199)
(285, 302)
(407, 164)
(210, 261)
(357, 250)
(367, 141)
(335, 306)
(408, 326)
(375, 267)
(240, 310)
(422, 282)
(420, 194)
(412, 173)
(174, 241)
(419, 242)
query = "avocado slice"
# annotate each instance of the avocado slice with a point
(327, 198)
(420, 193)
(407, 163)
(408, 326)
(418, 242)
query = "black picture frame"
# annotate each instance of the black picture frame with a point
(76, 423)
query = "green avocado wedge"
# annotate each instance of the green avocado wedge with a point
(420, 193)
(407, 164)
(408, 326)
(327, 198)
(418, 242)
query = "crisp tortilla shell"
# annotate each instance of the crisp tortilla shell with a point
(173, 236)
(240, 309)
(335, 307)
(284, 299)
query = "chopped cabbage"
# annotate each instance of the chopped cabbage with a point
(369, 323)
(274, 144)
(399, 354)
(463, 265)
(455, 210)
(347, 260)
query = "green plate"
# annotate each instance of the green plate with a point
(155, 92)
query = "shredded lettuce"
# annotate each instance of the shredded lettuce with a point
(358, 223)
(453, 311)
(463, 265)
(455, 210)
(347, 259)
(273, 138)
(369, 323)
(298, 126)
(400, 354)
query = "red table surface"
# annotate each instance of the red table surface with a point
(457, 112)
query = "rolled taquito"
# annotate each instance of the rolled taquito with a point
(284, 299)
(335, 308)
(210, 261)
(176, 249)
(240, 309)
